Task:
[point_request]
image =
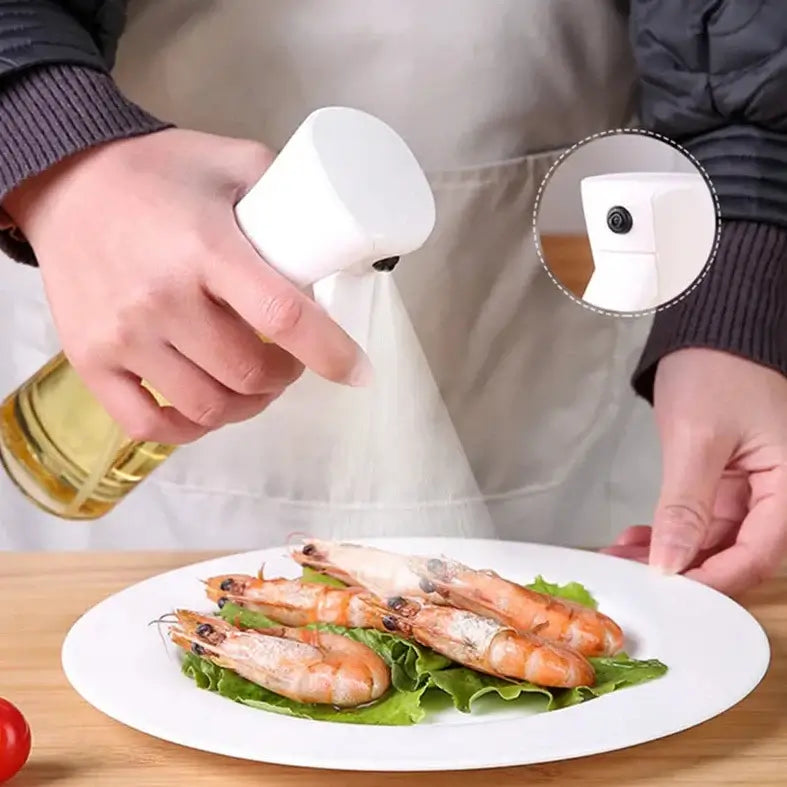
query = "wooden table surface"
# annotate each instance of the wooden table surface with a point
(76, 746)
(570, 260)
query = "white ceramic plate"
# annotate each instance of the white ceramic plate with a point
(716, 654)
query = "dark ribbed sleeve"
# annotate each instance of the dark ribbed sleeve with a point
(51, 112)
(713, 77)
(740, 307)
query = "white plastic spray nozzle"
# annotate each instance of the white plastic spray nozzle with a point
(344, 193)
(650, 233)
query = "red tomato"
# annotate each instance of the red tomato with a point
(14, 741)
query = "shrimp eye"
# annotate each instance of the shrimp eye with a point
(435, 566)
(197, 648)
(389, 621)
(309, 549)
(426, 585)
(204, 630)
(221, 602)
(227, 584)
(396, 603)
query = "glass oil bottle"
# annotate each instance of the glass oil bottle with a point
(345, 195)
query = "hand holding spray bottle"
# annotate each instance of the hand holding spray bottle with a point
(345, 197)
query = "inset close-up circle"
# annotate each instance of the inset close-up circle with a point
(626, 222)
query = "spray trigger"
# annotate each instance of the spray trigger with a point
(349, 300)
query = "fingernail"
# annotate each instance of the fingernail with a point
(671, 561)
(362, 374)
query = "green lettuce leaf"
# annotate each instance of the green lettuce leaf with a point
(395, 708)
(418, 672)
(465, 686)
(573, 591)
(612, 673)
(310, 575)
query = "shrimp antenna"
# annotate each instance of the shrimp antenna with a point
(298, 535)
(169, 617)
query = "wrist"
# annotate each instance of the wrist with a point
(51, 114)
(29, 199)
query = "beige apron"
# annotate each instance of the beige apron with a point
(487, 93)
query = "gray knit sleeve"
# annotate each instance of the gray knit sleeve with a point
(48, 113)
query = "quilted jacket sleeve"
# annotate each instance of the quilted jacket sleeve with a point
(38, 32)
(714, 79)
(56, 95)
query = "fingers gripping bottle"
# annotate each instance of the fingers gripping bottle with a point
(345, 197)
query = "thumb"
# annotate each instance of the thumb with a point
(246, 160)
(692, 468)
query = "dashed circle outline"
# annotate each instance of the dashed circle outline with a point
(667, 304)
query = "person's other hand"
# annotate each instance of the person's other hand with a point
(722, 514)
(150, 278)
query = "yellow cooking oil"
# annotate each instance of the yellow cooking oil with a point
(64, 451)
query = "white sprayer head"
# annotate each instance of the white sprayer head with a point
(344, 193)
(651, 234)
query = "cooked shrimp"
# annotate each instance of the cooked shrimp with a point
(443, 581)
(291, 601)
(486, 645)
(463, 636)
(382, 573)
(301, 664)
(587, 630)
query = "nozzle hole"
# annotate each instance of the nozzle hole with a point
(619, 220)
(386, 265)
